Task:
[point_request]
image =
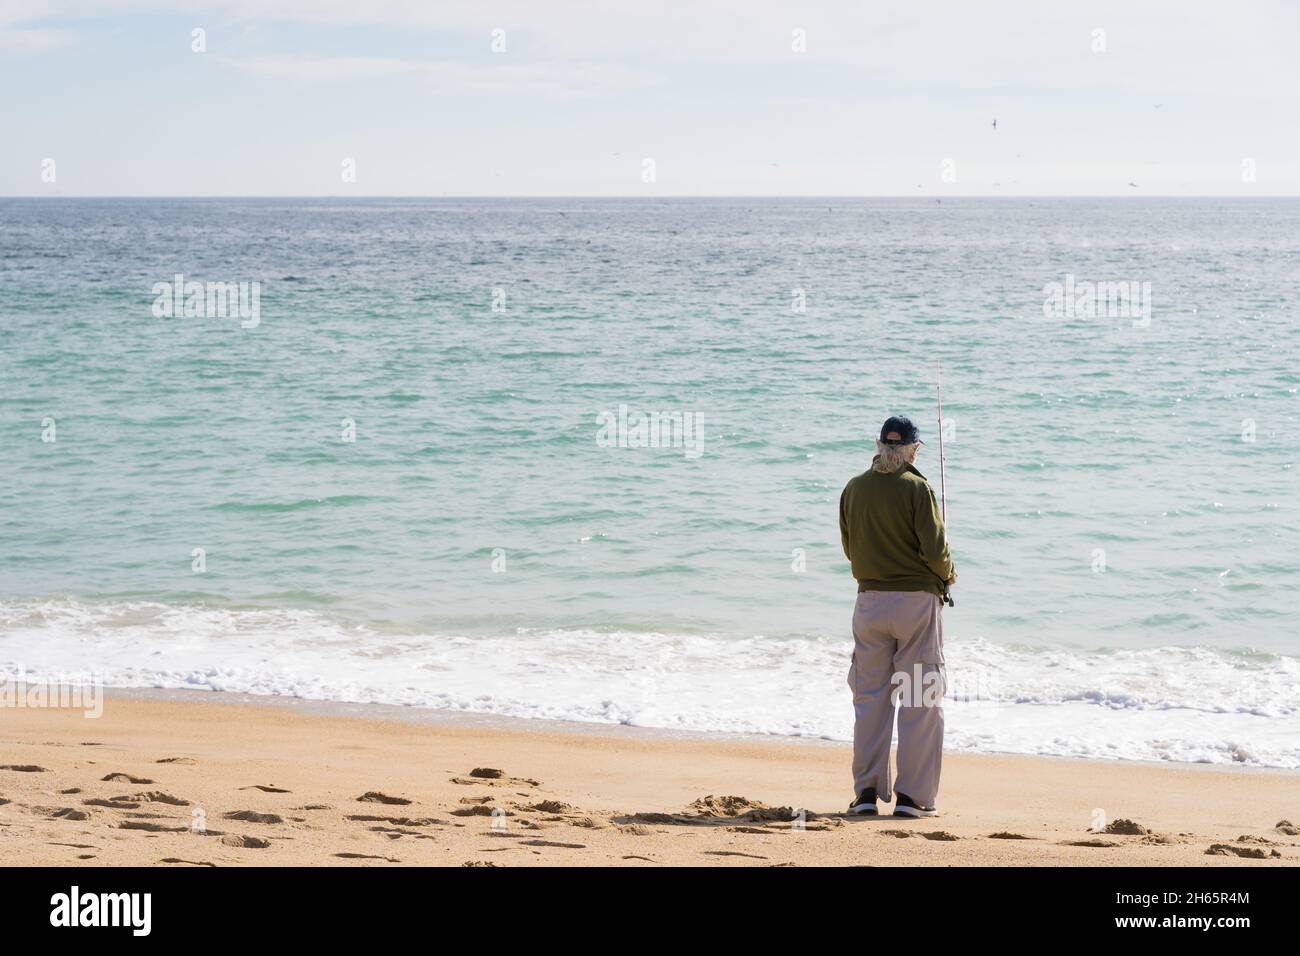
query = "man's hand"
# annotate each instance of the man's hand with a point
(952, 580)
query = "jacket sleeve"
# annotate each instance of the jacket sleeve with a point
(844, 525)
(932, 535)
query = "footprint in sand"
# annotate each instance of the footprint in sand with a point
(750, 856)
(659, 818)
(252, 816)
(374, 796)
(150, 827)
(126, 778)
(187, 761)
(480, 810)
(23, 768)
(246, 842)
(172, 859)
(1287, 827)
(566, 846)
(1248, 852)
(1092, 843)
(116, 803)
(550, 806)
(266, 789)
(156, 796)
(69, 813)
(1005, 835)
(492, 777)
(777, 815)
(398, 821)
(396, 833)
(366, 856)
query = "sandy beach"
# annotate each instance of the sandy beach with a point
(212, 780)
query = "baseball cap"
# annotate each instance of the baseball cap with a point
(907, 431)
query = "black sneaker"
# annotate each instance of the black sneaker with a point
(905, 806)
(866, 803)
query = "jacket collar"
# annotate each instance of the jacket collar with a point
(912, 468)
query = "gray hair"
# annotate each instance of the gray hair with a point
(890, 458)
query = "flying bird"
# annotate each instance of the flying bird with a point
(1134, 185)
(995, 124)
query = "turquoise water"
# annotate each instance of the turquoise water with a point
(476, 546)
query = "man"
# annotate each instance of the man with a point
(895, 540)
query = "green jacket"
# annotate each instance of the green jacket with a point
(892, 532)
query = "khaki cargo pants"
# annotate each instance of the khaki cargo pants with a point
(898, 659)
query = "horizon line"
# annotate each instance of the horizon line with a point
(748, 196)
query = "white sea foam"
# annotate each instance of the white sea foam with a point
(1169, 703)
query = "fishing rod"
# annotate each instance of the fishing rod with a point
(943, 483)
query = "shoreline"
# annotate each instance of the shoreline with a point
(1229, 707)
(406, 713)
(278, 782)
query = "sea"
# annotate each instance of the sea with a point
(581, 459)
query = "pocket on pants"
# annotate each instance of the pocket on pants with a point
(934, 683)
(934, 653)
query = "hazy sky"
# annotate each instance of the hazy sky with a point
(1180, 98)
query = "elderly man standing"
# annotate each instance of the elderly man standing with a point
(895, 540)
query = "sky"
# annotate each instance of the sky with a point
(644, 98)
